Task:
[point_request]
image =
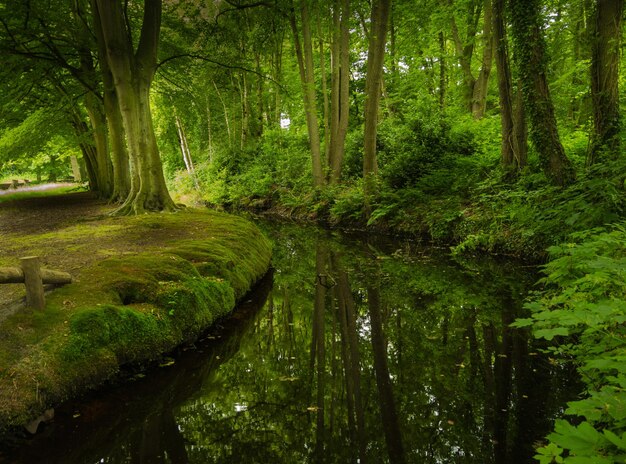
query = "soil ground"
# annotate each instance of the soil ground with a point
(45, 227)
(33, 216)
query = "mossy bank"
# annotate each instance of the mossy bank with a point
(128, 308)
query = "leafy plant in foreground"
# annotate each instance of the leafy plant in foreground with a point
(583, 310)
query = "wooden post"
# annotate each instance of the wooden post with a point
(34, 284)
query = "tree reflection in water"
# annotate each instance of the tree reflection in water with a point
(362, 352)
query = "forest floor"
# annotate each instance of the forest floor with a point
(141, 286)
(26, 217)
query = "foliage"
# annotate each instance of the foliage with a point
(583, 308)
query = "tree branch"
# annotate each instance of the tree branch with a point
(218, 63)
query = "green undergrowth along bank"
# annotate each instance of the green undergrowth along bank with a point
(438, 181)
(582, 310)
(129, 308)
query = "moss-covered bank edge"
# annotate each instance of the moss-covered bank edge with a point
(128, 310)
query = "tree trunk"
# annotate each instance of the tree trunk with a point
(465, 50)
(505, 90)
(479, 94)
(89, 153)
(184, 148)
(117, 142)
(530, 53)
(305, 67)
(340, 89)
(606, 35)
(442, 72)
(373, 79)
(133, 73)
(101, 143)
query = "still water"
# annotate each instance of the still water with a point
(351, 351)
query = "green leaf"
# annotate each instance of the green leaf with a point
(583, 440)
(617, 441)
(549, 334)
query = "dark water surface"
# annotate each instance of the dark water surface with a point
(351, 352)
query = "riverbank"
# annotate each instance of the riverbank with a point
(142, 286)
(577, 232)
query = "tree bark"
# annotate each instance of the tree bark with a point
(373, 79)
(606, 35)
(465, 50)
(117, 143)
(100, 133)
(530, 53)
(511, 159)
(340, 88)
(133, 73)
(479, 93)
(305, 67)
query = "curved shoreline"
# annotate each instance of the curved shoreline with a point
(127, 309)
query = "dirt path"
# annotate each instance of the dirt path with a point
(34, 216)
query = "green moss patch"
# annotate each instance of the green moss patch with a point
(125, 306)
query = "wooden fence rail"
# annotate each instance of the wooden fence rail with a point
(34, 277)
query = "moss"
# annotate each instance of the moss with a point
(129, 308)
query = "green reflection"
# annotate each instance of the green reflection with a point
(363, 352)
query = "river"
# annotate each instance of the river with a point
(352, 350)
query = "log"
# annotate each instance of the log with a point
(55, 277)
(34, 284)
(11, 275)
(15, 275)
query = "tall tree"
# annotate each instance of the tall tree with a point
(373, 81)
(474, 89)
(513, 146)
(606, 35)
(530, 54)
(304, 53)
(340, 93)
(133, 72)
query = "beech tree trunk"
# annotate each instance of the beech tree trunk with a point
(304, 53)
(340, 88)
(606, 35)
(132, 74)
(530, 53)
(81, 130)
(93, 102)
(512, 159)
(465, 49)
(117, 143)
(184, 148)
(373, 79)
(479, 92)
(101, 143)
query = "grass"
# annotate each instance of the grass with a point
(37, 192)
(125, 306)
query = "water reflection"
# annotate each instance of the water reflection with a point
(362, 352)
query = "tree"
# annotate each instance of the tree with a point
(474, 89)
(38, 32)
(513, 133)
(530, 54)
(606, 34)
(373, 81)
(133, 72)
(304, 53)
(340, 93)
